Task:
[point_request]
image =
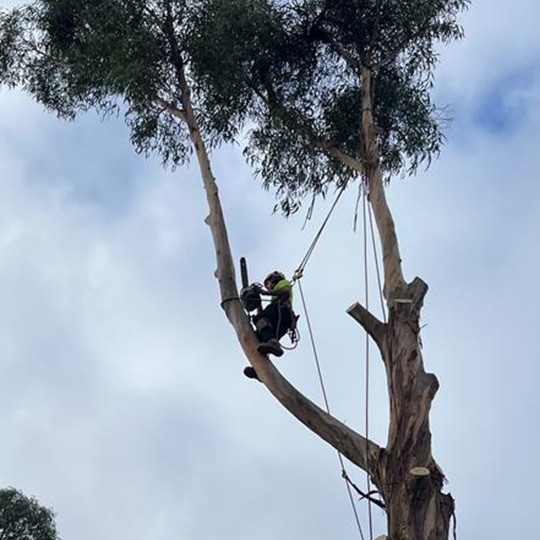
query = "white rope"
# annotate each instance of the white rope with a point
(366, 292)
(327, 405)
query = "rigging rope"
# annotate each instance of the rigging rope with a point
(376, 257)
(297, 277)
(327, 404)
(366, 285)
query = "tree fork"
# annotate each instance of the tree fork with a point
(417, 510)
(356, 448)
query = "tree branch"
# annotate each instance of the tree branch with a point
(352, 445)
(338, 154)
(368, 496)
(352, 62)
(418, 290)
(373, 326)
(34, 48)
(356, 448)
(401, 46)
(326, 146)
(179, 113)
(152, 14)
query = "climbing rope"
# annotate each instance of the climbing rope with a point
(327, 405)
(367, 213)
(301, 267)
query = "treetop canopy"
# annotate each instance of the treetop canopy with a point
(288, 72)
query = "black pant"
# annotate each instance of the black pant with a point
(278, 315)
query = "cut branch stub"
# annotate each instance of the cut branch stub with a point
(373, 326)
(419, 471)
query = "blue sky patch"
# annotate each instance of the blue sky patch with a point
(503, 108)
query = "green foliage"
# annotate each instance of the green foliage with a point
(23, 518)
(288, 72)
(15, 47)
(293, 69)
(106, 55)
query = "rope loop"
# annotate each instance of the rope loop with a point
(298, 275)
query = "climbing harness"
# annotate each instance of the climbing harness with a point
(292, 333)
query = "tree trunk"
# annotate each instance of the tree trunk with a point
(406, 474)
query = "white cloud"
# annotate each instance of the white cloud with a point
(501, 40)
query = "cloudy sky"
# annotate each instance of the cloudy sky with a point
(122, 401)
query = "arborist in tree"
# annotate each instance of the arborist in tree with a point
(276, 319)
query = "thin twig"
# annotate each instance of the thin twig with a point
(363, 495)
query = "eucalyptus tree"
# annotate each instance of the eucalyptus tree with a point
(339, 91)
(23, 518)
(333, 93)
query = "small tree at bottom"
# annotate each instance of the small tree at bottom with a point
(23, 518)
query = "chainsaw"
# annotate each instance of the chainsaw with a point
(250, 295)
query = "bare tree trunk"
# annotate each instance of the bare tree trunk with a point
(407, 476)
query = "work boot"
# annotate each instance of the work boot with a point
(271, 346)
(250, 373)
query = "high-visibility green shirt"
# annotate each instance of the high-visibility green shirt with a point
(280, 285)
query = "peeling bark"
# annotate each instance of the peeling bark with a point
(416, 507)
